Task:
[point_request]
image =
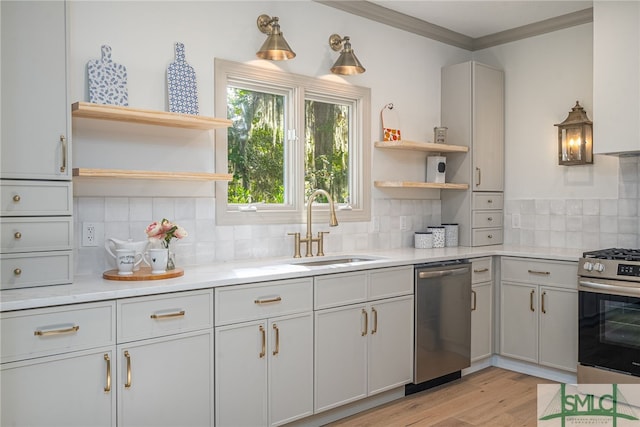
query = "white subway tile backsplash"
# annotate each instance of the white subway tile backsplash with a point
(574, 207)
(591, 207)
(116, 209)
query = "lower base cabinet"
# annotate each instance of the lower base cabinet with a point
(481, 321)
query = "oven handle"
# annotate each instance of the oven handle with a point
(608, 287)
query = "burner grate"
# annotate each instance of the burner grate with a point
(615, 254)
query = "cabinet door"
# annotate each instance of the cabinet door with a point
(340, 356)
(481, 321)
(68, 390)
(390, 344)
(519, 321)
(166, 381)
(34, 90)
(488, 128)
(241, 379)
(290, 380)
(559, 328)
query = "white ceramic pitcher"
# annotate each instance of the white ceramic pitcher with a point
(139, 247)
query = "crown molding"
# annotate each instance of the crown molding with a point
(417, 26)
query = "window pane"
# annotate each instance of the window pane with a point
(327, 149)
(256, 146)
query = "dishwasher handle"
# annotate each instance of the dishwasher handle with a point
(442, 273)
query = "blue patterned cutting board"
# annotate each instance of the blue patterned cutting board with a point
(181, 84)
(107, 80)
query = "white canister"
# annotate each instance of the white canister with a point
(438, 236)
(423, 240)
(450, 234)
(436, 168)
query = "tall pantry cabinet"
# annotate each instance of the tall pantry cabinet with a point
(473, 111)
(35, 185)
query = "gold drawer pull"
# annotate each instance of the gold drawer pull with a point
(17, 235)
(542, 273)
(107, 388)
(482, 270)
(268, 300)
(128, 357)
(263, 352)
(277, 350)
(16, 198)
(490, 219)
(17, 271)
(168, 315)
(490, 236)
(70, 330)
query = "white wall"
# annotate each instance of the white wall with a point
(544, 76)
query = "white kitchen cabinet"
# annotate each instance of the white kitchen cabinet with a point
(481, 308)
(362, 348)
(165, 360)
(616, 77)
(58, 366)
(539, 312)
(264, 353)
(472, 107)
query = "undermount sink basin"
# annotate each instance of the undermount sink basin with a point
(345, 260)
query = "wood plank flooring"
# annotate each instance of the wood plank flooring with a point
(491, 397)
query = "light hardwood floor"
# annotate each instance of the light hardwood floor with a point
(491, 397)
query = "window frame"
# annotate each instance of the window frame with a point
(298, 85)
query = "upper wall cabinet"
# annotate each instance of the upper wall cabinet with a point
(616, 77)
(35, 111)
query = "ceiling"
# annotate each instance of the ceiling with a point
(474, 24)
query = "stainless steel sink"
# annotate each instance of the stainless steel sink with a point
(346, 260)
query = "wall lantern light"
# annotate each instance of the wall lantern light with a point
(275, 47)
(575, 138)
(347, 62)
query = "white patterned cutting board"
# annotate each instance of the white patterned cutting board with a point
(107, 80)
(181, 85)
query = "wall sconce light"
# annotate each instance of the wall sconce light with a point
(347, 62)
(575, 138)
(275, 47)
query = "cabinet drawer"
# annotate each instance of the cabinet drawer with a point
(487, 201)
(481, 270)
(156, 316)
(486, 236)
(339, 289)
(41, 332)
(480, 219)
(540, 272)
(242, 303)
(35, 234)
(390, 282)
(41, 269)
(35, 198)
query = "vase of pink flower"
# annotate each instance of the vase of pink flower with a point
(163, 232)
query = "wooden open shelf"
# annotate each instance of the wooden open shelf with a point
(421, 146)
(427, 185)
(150, 117)
(137, 174)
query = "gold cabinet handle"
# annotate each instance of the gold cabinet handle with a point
(482, 270)
(128, 357)
(375, 320)
(479, 176)
(263, 352)
(107, 388)
(531, 301)
(17, 271)
(168, 315)
(63, 140)
(541, 273)
(366, 322)
(277, 350)
(16, 198)
(268, 300)
(17, 235)
(490, 219)
(542, 301)
(490, 236)
(71, 330)
(474, 300)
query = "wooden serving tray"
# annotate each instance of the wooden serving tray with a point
(143, 274)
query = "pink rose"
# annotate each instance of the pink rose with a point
(180, 233)
(167, 225)
(154, 230)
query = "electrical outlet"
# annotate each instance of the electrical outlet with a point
(89, 234)
(515, 220)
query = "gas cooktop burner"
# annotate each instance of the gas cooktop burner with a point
(615, 254)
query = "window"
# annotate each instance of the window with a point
(291, 134)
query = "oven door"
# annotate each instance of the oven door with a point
(609, 326)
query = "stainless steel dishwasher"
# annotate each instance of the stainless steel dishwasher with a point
(442, 320)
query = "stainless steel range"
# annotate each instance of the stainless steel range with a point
(609, 316)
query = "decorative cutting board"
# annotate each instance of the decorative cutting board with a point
(390, 123)
(143, 274)
(181, 85)
(107, 80)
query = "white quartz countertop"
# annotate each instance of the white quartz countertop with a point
(91, 288)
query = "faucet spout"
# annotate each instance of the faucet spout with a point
(333, 219)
